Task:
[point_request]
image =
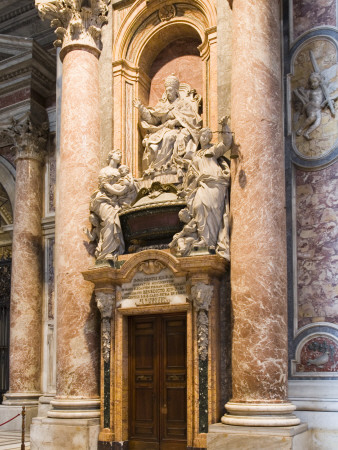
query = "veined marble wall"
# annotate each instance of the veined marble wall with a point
(317, 245)
(311, 47)
(307, 14)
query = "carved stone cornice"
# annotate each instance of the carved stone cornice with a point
(78, 22)
(29, 139)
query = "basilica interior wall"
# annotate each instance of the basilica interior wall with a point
(139, 51)
(310, 45)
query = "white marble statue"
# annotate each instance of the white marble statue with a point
(116, 189)
(206, 186)
(172, 128)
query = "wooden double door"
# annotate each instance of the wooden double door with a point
(157, 382)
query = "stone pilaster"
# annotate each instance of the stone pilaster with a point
(105, 300)
(258, 247)
(26, 291)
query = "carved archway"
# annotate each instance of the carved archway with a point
(144, 32)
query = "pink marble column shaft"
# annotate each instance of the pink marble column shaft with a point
(258, 235)
(77, 317)
(26, 288)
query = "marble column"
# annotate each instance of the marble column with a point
(258, 236)
(77, 379)
(27, 276)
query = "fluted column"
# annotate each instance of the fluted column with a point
(78, 29)
(27, 276)
(258, 237)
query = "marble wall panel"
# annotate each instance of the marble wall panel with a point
(308, 14)
(182, 58)
(317, 245)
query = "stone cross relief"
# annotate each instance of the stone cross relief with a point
(309, 101)
(178, 149)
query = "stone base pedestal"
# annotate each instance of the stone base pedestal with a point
(7, 412)
(45, 405)
(258, 438)
(65, 434)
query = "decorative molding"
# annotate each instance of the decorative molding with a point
(105, 302)
(201, 295)
(166, 12)
(150, 267)
(16, 12)
(77, 23)
(30, 139)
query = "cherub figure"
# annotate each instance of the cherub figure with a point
(183, 241)
(313, 101)
(129, 186)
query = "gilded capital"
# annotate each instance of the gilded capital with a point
(30, 139)
(77, 23)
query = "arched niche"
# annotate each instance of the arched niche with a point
(141, 57)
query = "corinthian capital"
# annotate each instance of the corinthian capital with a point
(77, 22)
(29, 138)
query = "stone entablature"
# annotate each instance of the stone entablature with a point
(29, 69)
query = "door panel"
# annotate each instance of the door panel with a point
(157, 382)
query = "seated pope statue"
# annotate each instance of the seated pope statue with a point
(172, 128)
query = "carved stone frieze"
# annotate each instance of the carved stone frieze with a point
(29, 139)
(201, 294)
(76, 22)
(106, 339)
(105, 302)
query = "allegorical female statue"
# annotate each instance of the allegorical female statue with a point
(116, 188)
(206, 185)
(172, 128)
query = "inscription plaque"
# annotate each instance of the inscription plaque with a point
(157, 289)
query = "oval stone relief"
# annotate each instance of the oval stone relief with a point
(314, 94)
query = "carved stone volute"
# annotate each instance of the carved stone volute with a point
(201, 294)
(105, 302)
(77, 22)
